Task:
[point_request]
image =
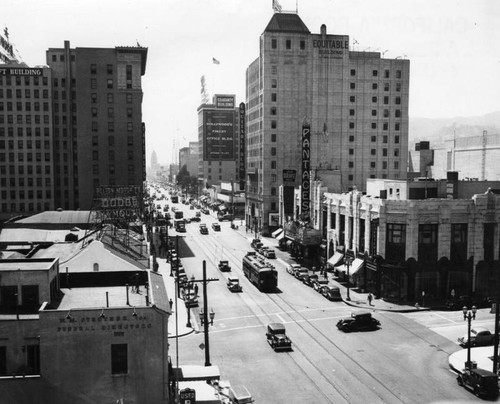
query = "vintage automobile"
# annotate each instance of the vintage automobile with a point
(479, 336)
(262, 250)
(318, 283)
(195, 219)
(216, 226)
(256, 244)
(233, 284)
(292, 267)
(331, 292)
(270, 253)
(277, 338)
(483, 383)
(205, 211)
(309, 278)
(362, 321)
(203, 228)
(300, 272)
(190, 298)
(224, 266)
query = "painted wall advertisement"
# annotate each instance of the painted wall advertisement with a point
(118, 202)
(218, 135)
(331, 46)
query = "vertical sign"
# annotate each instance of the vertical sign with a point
(306, 171)
(242, 173)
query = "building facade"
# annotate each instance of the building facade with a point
(356, 104)
(26, 142)
(220, 153)
(98, 133)
(408, 247)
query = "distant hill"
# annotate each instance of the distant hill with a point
(440, 130)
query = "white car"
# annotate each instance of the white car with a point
(478, 336)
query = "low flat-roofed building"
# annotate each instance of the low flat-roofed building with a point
(102, 344)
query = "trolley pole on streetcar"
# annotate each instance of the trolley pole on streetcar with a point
(205, 322)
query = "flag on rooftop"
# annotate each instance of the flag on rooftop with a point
(215, 61)
(277, 6)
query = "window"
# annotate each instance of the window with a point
(386, 126)
(273, 137)
(109, 69)
(93, 98)
(111, 127)
(274, 69)
(374, 138)
(352, 112)
(398, 86)
(351, 177)
(302, 45)
(119, 359)
(386, 113)
(396, 242)
(384, 139)
(374, 86)
(351, 138)
(384, 165)
(386, 86)
(352, 98)
(110, 112)
(375, 73)
(386, 100)
(93, 84)
(351, 164)
(398, 113)
(398, 74)
(351, 152)
(94, 126)
(374, 125)
(386, 74)
(129, 112)
(274, 43)
(351, 125)
(129, 98)
(396, 126)
(398, 100)
(273, 97)
(273, 151)
(130, 127)
(273, 124)
(111, 140)
(273, 165)
(373, 152)
(353, 72)
(353, 86)
(374, 112)
(110, 98)
(273, 110)
(274, 83)
(288, 44)
(384, 152)
(396, 139)
(396, 152)
(374, 99)
(109, 83)
(396, 165)
(94, 112)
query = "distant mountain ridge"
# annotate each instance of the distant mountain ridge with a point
(439, 131)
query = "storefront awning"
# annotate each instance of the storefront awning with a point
(335, 258)
(280, 236)
(355, 267)
(276, 233)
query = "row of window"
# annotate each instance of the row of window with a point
(112, 169)
(61, 57)
(288, 44)
(25, 207)
(21, 131)
(19, 93)
(93, 98)
(397, 100)
(20, 157)
(111, 155)
(111, 126)
(21, 143)
(20, 119)
(373, 165)
(26, 80)
(21, 170)
(63, 82)
(387, 86)
(9, 106)
(111, 112)
(21, 194)
(387, 73)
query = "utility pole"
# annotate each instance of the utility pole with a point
(204, 315)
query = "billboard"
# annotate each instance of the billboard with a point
(118, 202)
(224, 101)
(218, 135)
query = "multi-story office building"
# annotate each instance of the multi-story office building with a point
(26, 147)
(220, 141)
(188, 156)
(99, 136)
(356, 104)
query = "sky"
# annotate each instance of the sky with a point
(453, 47)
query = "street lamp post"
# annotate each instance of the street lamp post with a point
(469, 315)
(348, 266)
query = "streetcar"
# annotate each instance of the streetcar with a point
(260, 272)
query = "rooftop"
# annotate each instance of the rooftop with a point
(287, 22)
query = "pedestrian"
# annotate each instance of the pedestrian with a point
(370, 297)
(171, 303)
(196, 289)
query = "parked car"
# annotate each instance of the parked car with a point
(479, 336)
(482, 382)
(195, 219)
(203, 229)
(233, 284)
(190, 298)
(460, 302)
(277, 338)
(224, 266)
(309, 278)
(318, 283)
(300, 272)
(216, 226)
(358, 322)
(256, 244)
(331, 292)
(262, 250)
(291, 268)
(270, 253)
(205, 211)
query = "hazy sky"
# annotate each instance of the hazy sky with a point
(453, 47)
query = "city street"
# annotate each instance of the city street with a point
(390, 365)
